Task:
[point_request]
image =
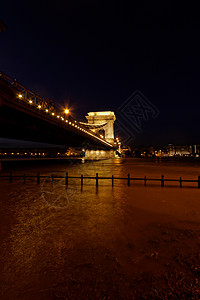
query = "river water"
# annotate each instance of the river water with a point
(117, 242)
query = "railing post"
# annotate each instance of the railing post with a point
(10, 177)
(81, 179)
(145, 180)
(112, 180)
(180, 182)
(38, 178)
(128, 179)
(162, 180)
(66, 178)
(199, 182)
(24, 178)
(96, 179)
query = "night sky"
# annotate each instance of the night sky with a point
(92, 55)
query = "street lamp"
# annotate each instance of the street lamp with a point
(66, 111)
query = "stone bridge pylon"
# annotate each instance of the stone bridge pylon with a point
(102, 122)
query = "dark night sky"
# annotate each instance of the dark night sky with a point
(94, 54)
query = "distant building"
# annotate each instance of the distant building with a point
(179, 150)
(169, 150)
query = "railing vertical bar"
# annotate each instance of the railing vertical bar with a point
(66, 178)
(52, 178)
(180, 182)
(162, 180)
(112, 180)
(97, 179)
(128, 179)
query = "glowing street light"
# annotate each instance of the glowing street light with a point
(39, 106)
(66, 111)
(30, 101)
(20, 96)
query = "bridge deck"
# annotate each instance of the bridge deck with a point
(25, 115)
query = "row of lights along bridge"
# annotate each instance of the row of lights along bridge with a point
(62, 118)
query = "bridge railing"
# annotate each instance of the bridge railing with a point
(26, 94)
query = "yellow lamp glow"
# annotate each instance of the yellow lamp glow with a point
(66, 111)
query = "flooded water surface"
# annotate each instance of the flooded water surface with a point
(120, 242)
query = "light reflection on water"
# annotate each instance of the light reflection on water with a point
(117, 167)
(60, 241)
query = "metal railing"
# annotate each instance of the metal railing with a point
(97, 178)
(28, 95)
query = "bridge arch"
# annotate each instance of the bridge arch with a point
(102, 121)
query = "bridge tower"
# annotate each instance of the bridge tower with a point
(102, 121)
